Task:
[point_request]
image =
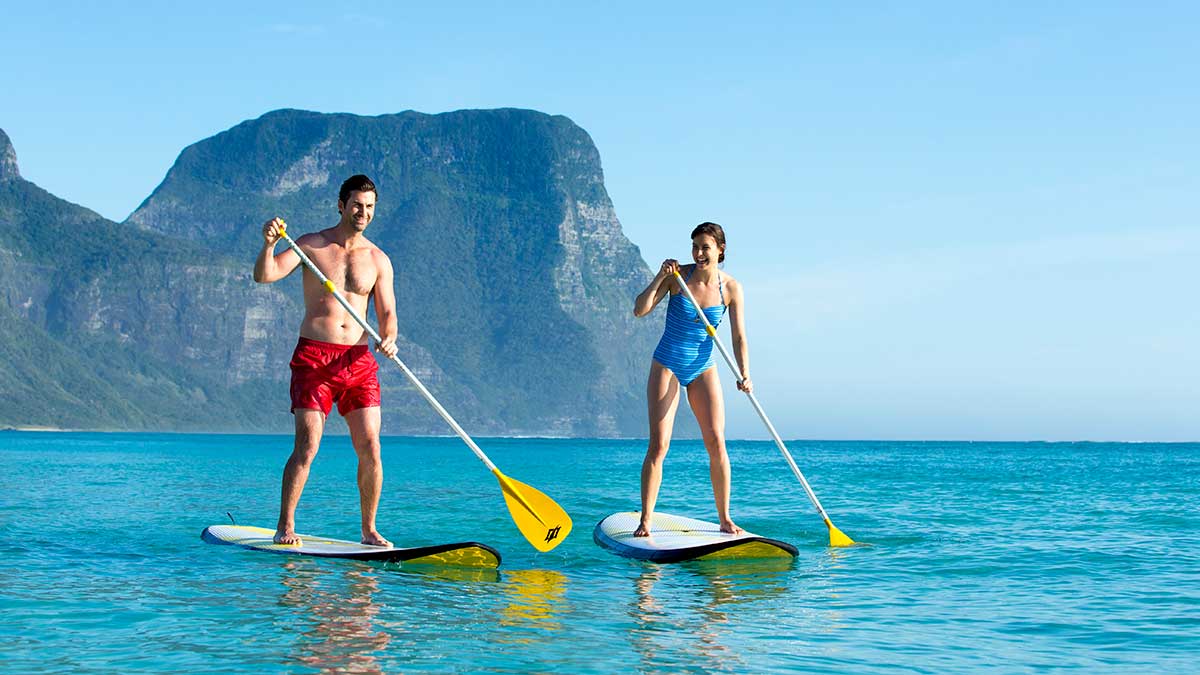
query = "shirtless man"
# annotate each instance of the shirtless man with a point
(332, 362)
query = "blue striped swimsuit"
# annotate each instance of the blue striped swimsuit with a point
(685, 348)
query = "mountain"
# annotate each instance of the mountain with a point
(97, 321)
(514, 281)
(8, 159)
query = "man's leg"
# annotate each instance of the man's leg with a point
(364, 434)
(309, 426)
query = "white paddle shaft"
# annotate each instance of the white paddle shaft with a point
(753, 401)
(371, 331)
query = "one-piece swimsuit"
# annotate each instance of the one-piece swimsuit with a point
(686, 347)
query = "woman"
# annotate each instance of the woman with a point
(684, 357)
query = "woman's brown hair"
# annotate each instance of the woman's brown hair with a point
(713, 230)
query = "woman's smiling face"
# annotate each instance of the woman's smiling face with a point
(705, 250)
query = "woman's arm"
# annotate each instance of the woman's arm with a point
(737, 326)
(648, 299)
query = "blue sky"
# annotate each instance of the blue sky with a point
(953, 220)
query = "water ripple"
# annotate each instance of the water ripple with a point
(979, 557)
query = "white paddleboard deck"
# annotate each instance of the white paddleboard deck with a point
(679, 538)
(466, 554)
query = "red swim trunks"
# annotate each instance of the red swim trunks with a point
(323, 372)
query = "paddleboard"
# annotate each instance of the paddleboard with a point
(465, 554)
(679, 538)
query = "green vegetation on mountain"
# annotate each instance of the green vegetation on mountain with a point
(79, 336)
(513, 280)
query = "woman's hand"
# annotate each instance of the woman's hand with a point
(669, 267)
(746, 385)
(657, 290)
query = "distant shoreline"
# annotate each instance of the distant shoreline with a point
(527, 437)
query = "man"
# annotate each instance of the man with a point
(332, 362)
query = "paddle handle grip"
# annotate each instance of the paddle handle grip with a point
(712, 331)
(329, 286)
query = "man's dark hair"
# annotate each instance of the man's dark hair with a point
(356, 183)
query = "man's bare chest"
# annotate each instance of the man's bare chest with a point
(351, 271)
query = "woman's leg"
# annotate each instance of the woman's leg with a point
(704, 395)
(662, 398)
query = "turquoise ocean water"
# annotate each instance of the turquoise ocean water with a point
(982, 557)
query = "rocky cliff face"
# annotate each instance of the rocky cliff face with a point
(513, 279)
(8, 159)
(104, 327)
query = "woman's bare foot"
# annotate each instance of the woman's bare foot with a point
(286, 537)
(643, 530)
(375, 539)
(728, 527)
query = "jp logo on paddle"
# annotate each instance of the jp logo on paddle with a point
(552, 533)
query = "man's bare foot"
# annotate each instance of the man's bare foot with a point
(376, 539)
(728, 527)
(643, 530)
(286, 537)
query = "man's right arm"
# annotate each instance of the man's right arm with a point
(269, 268)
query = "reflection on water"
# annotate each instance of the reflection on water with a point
(744, 580)
(535, 603)
(341, 636)
(447, 572)
(984, 583)
(682, 612)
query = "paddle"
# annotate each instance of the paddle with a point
(543, 522)
(836, 537)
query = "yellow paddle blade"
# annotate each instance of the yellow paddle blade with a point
(836, 537)
(543, 522)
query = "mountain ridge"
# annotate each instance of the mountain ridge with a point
(512, 271)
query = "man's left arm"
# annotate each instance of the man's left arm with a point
(385, 307)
